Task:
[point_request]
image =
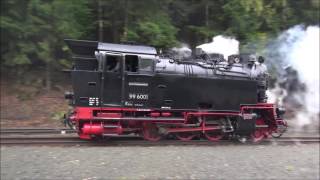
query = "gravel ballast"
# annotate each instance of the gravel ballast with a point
(161, 162)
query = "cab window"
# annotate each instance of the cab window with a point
(113, 63)
(134, 63)
(131, 63)
(145, 65)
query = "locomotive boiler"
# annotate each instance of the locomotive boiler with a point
(130, 89)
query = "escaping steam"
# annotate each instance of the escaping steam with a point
(182, 52)
(295, 53)
(221, 44)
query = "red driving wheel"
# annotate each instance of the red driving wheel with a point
(260, 133)
(150, 132)
(185, 136)
(214, 135)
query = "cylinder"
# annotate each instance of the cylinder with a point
(95, 129)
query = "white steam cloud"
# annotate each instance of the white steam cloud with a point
(182, 52)
(304, 56)
(222, 45)
(299, 48)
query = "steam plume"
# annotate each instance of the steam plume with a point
(221, 44)
(297, 49)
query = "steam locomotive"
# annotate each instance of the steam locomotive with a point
(130, 89)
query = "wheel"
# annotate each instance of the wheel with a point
(150, 132)
(260, 133)
(278, 133)
(257, 135)
(215, 135)
(185, 136)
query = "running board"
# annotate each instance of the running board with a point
(110, 135)
(138, 119)
(111, 126)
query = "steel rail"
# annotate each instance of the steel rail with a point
(137, 141)
(36, 131)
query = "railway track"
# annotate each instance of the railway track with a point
(49, 136)
(135, 141)
(36, 131)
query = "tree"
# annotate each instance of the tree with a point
(140, 21)
(34, 30)
(156, 31)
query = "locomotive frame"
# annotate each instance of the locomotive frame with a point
(118, 91)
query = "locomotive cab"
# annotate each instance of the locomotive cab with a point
(125, 78)
(111, 75)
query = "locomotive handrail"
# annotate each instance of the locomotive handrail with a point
(244, 73)
(215, 67)
(213, 113)
(151, 74)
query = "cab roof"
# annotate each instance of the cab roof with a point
(87, 48)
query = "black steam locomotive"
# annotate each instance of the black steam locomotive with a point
(130, 89)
